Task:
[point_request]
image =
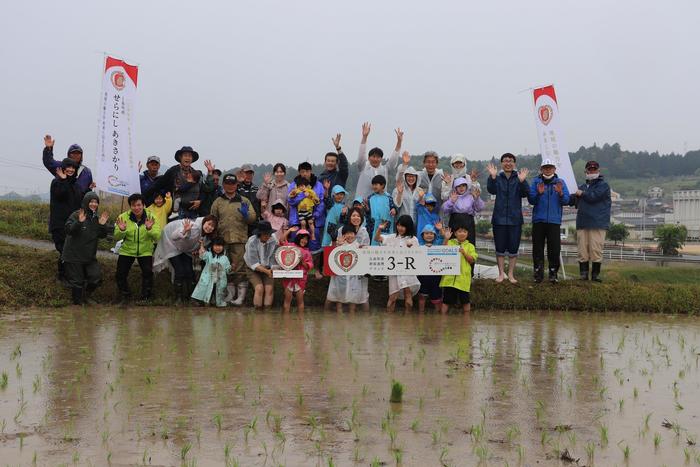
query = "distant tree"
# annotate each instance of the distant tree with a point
(618, 233)
(671, 237)
(483, 227)
(527, 230)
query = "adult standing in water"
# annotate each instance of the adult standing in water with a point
(510, 187)
(139, 231)
(235, 213)
(179, 242)
(592, 220)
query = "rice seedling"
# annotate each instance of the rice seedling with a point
(482, 452)
(218, 421)
(3, 380)
(603, 431)
(590, 451)
(657, 441)
(396, 392)
(625, 451)
(184, 450)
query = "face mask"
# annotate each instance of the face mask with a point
(592, 176)
(548, 177)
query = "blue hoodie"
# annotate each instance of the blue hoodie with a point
(548, 205)
(333, 217)
(425, 217)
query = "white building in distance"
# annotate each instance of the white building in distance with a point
(686, 211)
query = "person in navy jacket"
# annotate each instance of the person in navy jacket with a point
(510, 187)
(548, 194)
(592, 220)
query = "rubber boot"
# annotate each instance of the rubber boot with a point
(596, 272)
(124, 299)
(583, 271)
(538, 274)
(77, 295)
(230, 293)
(187, 292)
(61, 274)
(240, 298)
(553, 272)
(87, 297)
(177, 291)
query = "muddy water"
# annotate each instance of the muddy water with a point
(163, 387)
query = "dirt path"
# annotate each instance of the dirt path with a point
(44, 245)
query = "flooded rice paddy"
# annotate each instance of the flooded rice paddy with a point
(192, 387)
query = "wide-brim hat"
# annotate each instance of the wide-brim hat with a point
(184, 149)
(263, 227)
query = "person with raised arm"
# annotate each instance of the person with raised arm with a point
(406, 192)
(510, 187)
(65, 198)
(336, 167)
(372, 164)
(75, 152)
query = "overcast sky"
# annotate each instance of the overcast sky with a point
(269, 81)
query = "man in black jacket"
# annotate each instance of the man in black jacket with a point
(336, 168)
(66, 196)
(249, 190)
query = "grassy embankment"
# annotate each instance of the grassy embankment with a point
(27, 279)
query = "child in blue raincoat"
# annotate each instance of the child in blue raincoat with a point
(427, 213)
(213, 277)
(335, 217)
(380, 208)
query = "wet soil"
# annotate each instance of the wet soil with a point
(191, 387)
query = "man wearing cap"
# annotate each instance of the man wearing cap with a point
(592, 220)
(186, 184)
(336, 167)
(235, 213)
(372, 164)
(149, 176)
(249, 190)
(548, 194)
(75, 152)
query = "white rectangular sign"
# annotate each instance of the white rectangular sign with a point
(550, 135)
(117, 165)
(282, 274)
(393, 261)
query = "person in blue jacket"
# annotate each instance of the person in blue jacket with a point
(592, 220)
(548, 194)
(510, 187)
(75, 152)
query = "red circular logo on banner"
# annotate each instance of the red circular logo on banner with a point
(545, 114)
(118, 80)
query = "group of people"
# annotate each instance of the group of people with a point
(228, 228)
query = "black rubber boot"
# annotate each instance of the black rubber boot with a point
(124, 299)
(61, 274)
(87, 297)
(77, 295)
(177, 291)
(595, 273)
(187, 292)
(553, 273)
(583, 270)
(538, 273)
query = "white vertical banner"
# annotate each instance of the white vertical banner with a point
(117, 165)
(549, 132)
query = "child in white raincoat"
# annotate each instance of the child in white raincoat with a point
(403, 238)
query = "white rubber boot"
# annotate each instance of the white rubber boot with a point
(240, 298)
(230, 293)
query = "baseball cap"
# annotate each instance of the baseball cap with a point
(247, 168)
(75, 148)
(592, 165)
(230, 178)
(546, 162)
(153, 159)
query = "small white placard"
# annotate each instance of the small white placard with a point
(282, 274)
